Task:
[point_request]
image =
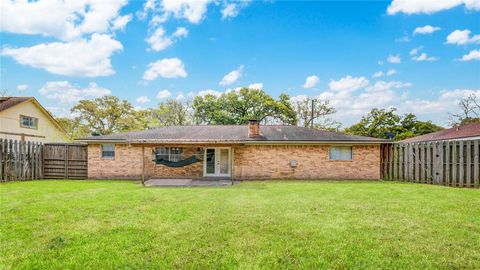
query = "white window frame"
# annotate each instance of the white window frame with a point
(340, 158)
(170, 152)
(103, 151)
(31, 119)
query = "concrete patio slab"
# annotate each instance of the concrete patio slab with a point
(188, 183)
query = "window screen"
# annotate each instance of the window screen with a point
(169, 153)
(108, 151)
(341, 153)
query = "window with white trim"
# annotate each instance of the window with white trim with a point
(28, 121)
(108, 151)
(341, 153)
(169, 153)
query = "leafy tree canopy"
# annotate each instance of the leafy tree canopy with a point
(381, 123)
(106, 115)
(237, 107)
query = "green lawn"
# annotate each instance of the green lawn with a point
(120, 224)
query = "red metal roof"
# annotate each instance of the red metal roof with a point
(464, 131)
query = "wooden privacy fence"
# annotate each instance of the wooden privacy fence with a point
(450, 163)
(66, 161)
(20, 160)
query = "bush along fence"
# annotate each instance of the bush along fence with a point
(20, 160)
(449, 163)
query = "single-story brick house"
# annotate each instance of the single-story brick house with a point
(237, 152)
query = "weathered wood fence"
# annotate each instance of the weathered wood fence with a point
(450, 163)
(26, 160)
(20, 160)
(65, 161)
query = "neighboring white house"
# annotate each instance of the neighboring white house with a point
(23, 118)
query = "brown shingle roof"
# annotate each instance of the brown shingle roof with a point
(464, 131)
(230, 133)
(7, 102)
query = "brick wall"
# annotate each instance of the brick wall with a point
(273, 162)
(126, 165)
(249, 162)
(152, 170)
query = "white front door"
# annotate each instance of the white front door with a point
(217, 162)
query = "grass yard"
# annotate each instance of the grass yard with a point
(264, 225)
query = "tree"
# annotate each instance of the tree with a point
(314, 112)
(106, 115)
(381, 123)
(237, 107)
(73, 127)
(172, 113)
(470, 110)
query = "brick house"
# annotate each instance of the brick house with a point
(238, 152)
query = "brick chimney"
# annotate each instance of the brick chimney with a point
(253, 128)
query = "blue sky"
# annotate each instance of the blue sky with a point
(417, 56)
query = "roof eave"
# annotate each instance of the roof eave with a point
(249, 142)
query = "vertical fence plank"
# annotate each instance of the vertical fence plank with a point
(390, 163)
(440, 153)
(468, 165)
(422, 163)
(447, 164)
(476, 165)
(434, 163)
(400, 162)
(454, 164)
(417, 163)
(460, 164)
(429, 165)
(410, 162)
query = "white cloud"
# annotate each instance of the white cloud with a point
(391, 72)
(142, 99)
(348, 84)
(159, 41)
(209, 92)
(462, 37)
(311, 81)
(472, 55)
(429, 6)
(256, 86)
(424, 57)
(385, 86)
(231, 10)
(66, 93)
(22, 87)
(438, 109)
(121, 21)
(82, 58)
(193, 11)
(232, 76)
(163, 94)
(378, 74)
(66, 20)
(415, 51)
(181, 32)
(394, 59)
(427, 29)
(166, 68)
(404, 39)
